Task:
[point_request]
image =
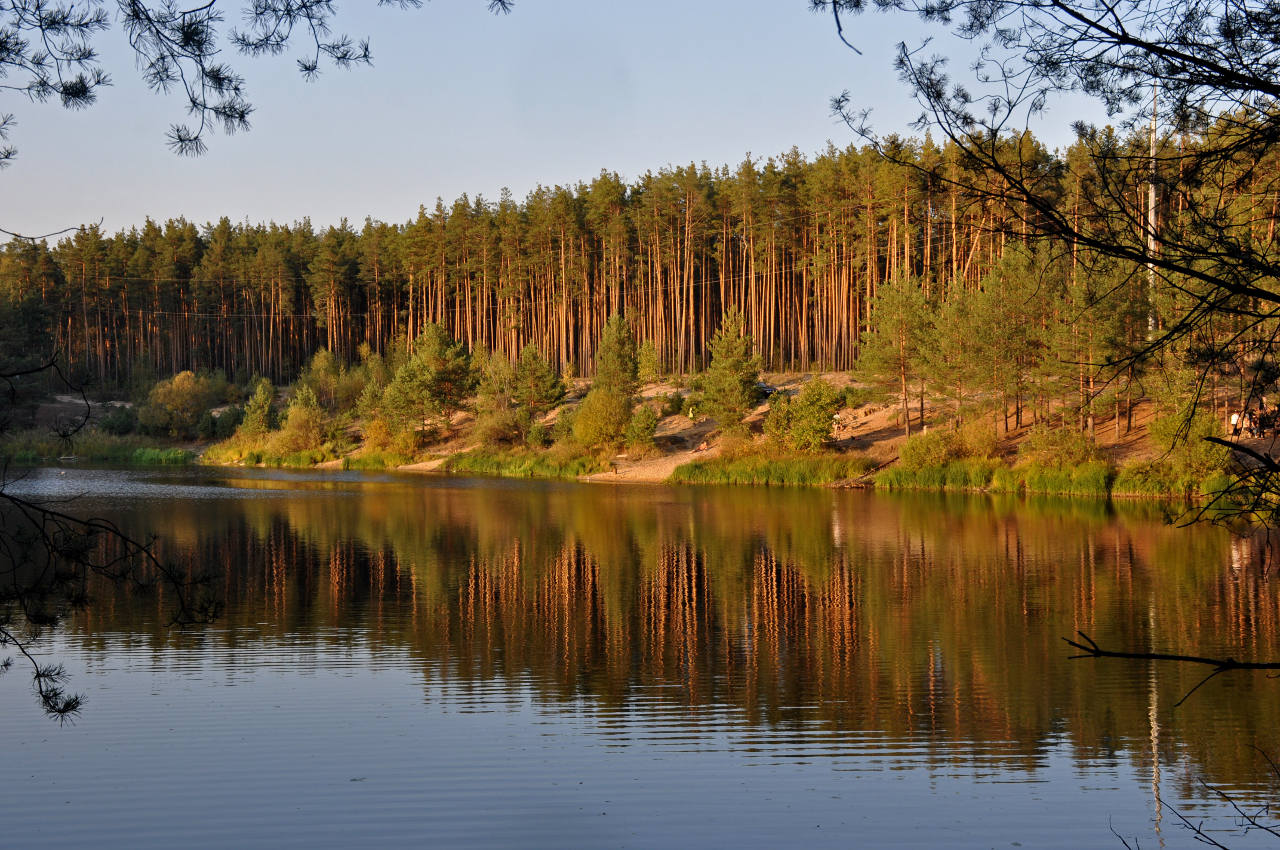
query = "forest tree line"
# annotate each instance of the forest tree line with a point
(842, 261)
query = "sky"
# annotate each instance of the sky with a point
(460, 100)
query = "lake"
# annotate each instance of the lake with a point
(422, 660)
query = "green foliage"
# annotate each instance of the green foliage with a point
(119, 420)
(617, 370)
(518, 463)
(511, 397)
(639, 431)
(174, 406)
(729, 384)
(1057, 446)
(803, 423)
(94, 446)
(259, 412)
(375, 460)
(892, 351)
(929, 449)
(602, 418)
(304, 426)
(1092, 478)
(433, 385)
(161, 457)
(1181, 433)
(227, 422)
(939, 447)
(207, 425)
(648, 363)
(335, 386)
(773, 469)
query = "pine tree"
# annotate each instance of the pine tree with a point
(729, 385)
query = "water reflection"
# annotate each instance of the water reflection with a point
(906, 629)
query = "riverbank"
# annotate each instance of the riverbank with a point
(866, 448)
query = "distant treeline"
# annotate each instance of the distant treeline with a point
(802, 246)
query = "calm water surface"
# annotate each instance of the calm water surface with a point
(489, 663)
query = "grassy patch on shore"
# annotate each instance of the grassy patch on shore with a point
(34, 447)
(524, 463)
(773, 470)
(375, 460)
(1155, 479)
(220, 455)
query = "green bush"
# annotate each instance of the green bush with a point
(773, 469)
(640, 430)
(803, 423)
(176, 406)
(602, 418)
(930, 449)
(1057, 447)
(228, 421)
(648, 363)
(556, 463)
(119, 420)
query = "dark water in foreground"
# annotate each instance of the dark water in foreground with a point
(444, 662)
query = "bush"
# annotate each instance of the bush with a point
(803, 423)
(602, 418)
(930, 449)
(648, 363)
(175, 406)
(118, 420)
(773, 470)
(812, 412)
(1057, 447)
(616, 367)
(259, 412)
(557, 463)
(639, 431)
(304, 424)
(228, 421)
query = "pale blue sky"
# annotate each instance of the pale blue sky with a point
(459, 100)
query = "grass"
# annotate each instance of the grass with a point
(375, 460)
(1155, 479)
(29, 448)
(524, 463)
(773, 470)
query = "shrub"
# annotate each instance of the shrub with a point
(639, 431)
(1057, 447)
(175, 406)
(811, 415)
(304, 424)
(929, 449)
(803, 423)
(648, 363)
(228, 421)
(434, 383)
(601, 419)
(119, 419)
